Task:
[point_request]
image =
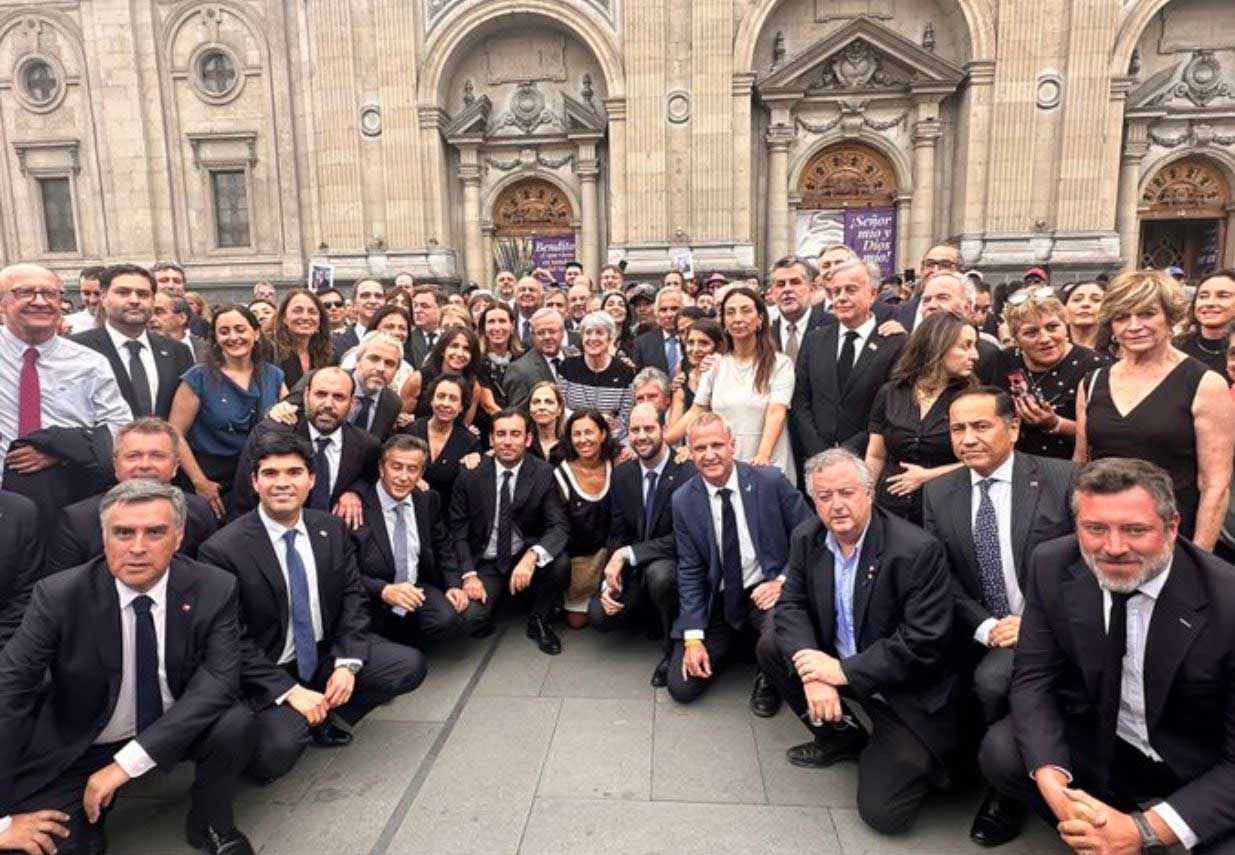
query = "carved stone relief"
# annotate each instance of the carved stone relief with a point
(846, 174)
(532, 206)
(1202, 83)
(1188, 187)
(1194, 134)
(857, 66)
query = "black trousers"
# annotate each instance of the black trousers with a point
(894, 769)
(542, 594)
(655, 582)
(992, 681)
(719, 639)
(435, 620)
(220, 754)
(283, 733)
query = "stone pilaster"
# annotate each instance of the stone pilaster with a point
(926, 134)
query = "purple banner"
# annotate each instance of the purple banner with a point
(871, 233)
(553, 254)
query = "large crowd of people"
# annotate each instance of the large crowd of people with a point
(965, 532)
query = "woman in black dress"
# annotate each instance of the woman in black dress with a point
(456, 351)
(499, 347)
(910, 443)
(583, 477)
(1158, 404)
(1213, 310)
(451, 444)
(301, 336)
(1042, 373)
(548, 411)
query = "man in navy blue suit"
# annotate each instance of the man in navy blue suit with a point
(732, 522)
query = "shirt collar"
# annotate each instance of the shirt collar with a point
(1154, 586)
(119, 339)
(158, 593)
(388, 501)
(513, 470)
(834, 546)
(19, 347)
(731, 484)
(864, 329)
(1003, 474)
(315, 434)
(659, 468)
(276, 530)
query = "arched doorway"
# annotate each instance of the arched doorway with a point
(534, 226)
(1183, 211)
(847, 194)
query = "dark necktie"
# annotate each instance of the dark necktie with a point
(1112, 683)
(844, 365)
(430, 340)
(319, 498)
(505, 527)
(303, 640)
(29, 394)
(141, 380)
(649, 502)
(990, 559)
(791, 340)
(149, 698)
(731, 562)
(361, 419)
(555, 364)
(526, 334)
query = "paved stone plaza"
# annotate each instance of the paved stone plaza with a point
(504, 750)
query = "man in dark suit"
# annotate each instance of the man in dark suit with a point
(404, 547)
(1123, 692)
(143, 651)
(860, 651)
(344, 455)
(375, 407)
(21, 559)
(427, 302)
(306, 645)
(510, 530)
(662, 347)
(146, 448)
(643, 563)
(991, 515)
(841, 367)
(941, 258)
(950, 292)
(541, 362)
(368, 296)
(732, 523)
(793, 281)
(147, 365)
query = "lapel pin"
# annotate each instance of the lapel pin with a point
(322, 532)
(872, 346)
(185, 607)
(1185, 623)
(162, 353)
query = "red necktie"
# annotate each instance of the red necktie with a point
(29, 394)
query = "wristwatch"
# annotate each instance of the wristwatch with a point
(1150, 844)
(354, 667)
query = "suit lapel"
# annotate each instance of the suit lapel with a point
(866, 574)
(107, 619)
(118, 367)
(664, 491)
(824, 583)
(373, 512)
(1083, 600)
(181, 587)
(165, 366)
(1025, 492)
(831, 336)
(523, 488)
(321, 557)
(750, 507)
(348, 461)
(865, 357)
(961, 506)
(424, 526)
(263, 555)
(1178, 620)
(488, 493)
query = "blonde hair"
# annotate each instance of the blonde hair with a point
(1033, 309)
(1137, 287)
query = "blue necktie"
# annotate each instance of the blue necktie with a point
(649, 501)
(319, 498)
(671, 355)
(400, 551)
(731, 562)
(149, 698)
(505, 527)
(990, 561)
(361, 419)
(303, 640)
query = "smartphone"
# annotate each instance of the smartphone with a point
(1017, 384)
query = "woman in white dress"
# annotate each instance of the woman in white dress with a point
(750, 385)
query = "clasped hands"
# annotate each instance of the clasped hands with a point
(1088, 825)
(473, 589)
(315, 706)
(821, 677)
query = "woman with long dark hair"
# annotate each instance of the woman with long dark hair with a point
(451, 444)
(457, 351)
(547, 408)
(301, 337)
(1210, 315)
(702, 339)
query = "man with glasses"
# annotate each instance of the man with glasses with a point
(942, 258)
(336, 311)
(54, 395)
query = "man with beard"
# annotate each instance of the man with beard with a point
(1123, 691)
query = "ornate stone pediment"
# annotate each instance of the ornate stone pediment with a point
(863, 56)
(1202, 82)
(473, 121)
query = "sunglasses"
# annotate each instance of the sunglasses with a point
(332, 304)
(1042, 292)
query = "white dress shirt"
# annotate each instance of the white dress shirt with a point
(77, 385)
(864, 332)
(1001, 498)
(119, 341)
(275, 531)
(516, 537)
(132, 758)
(81, 320)
(644, 469)
(409, 518)
(334, 451)
(752, 571)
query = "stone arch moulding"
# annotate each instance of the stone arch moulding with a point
(584, 22)
(192, 8)
(979, 16)
(900, 166)
(12, 20)
(1221, 161)
(1135, 20)
(508, 181)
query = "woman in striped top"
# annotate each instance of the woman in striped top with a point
(597, 380)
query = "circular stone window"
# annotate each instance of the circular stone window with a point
(216, 72)
(39, 82)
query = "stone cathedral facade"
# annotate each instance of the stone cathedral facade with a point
(248, 139)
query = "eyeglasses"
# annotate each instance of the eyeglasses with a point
(332, 304)
(938, 264)
(1044, 292)
(28, 295)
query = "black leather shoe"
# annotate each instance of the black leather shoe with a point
(545, 638)
(837, 747)
(660, 677)
(764, 699)
(207, 839)
(998, 821)
(328, 735)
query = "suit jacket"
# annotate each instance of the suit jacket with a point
(416, 348)
(357, 462)
(376, 556)
(384, 414)
(85, 469)
(536, 508)
(818, 317)
(79, 535)
(902, 621)
(72, 629)
(243, 548)
(629, 526)
(822, 415)
(21, 559)
(649, 350)
(171, 359)
(906, 312)
(523, 374)
(1041, 487)
(344, 340)
(773, 509)
(1189, 676)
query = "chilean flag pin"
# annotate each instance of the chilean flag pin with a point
(185, 607)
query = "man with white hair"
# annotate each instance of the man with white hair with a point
(542, 362)
(661, 347)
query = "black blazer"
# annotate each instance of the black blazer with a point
(171, 358)
(376, 556)
(523, 374)
(243, 548)
(536, 507)
(1189, 676)
(416, 349)
(72, 630)
(629, 527)
(357, 462)
(902, 616)
(1041, 487)
(344, 340)
(384, 414)
(649, 350)
(21, 559)
(78, 536)
(821, 414)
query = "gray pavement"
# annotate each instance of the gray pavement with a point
(505, 751)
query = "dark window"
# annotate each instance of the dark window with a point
(38, 79)
(231, 207)
(58, 223)
(217, 72)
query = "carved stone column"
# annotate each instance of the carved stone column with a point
(1127, 223)
(779, 138)
(587, 167)
(1229, 260)
(904, 202)
(926, 134)
(473, 234)
(615, 110)
(490, 236)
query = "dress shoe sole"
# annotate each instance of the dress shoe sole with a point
(765, 711)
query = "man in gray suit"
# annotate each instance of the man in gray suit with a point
(991, 514)
(541, 362)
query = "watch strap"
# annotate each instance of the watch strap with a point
(1149, 840)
